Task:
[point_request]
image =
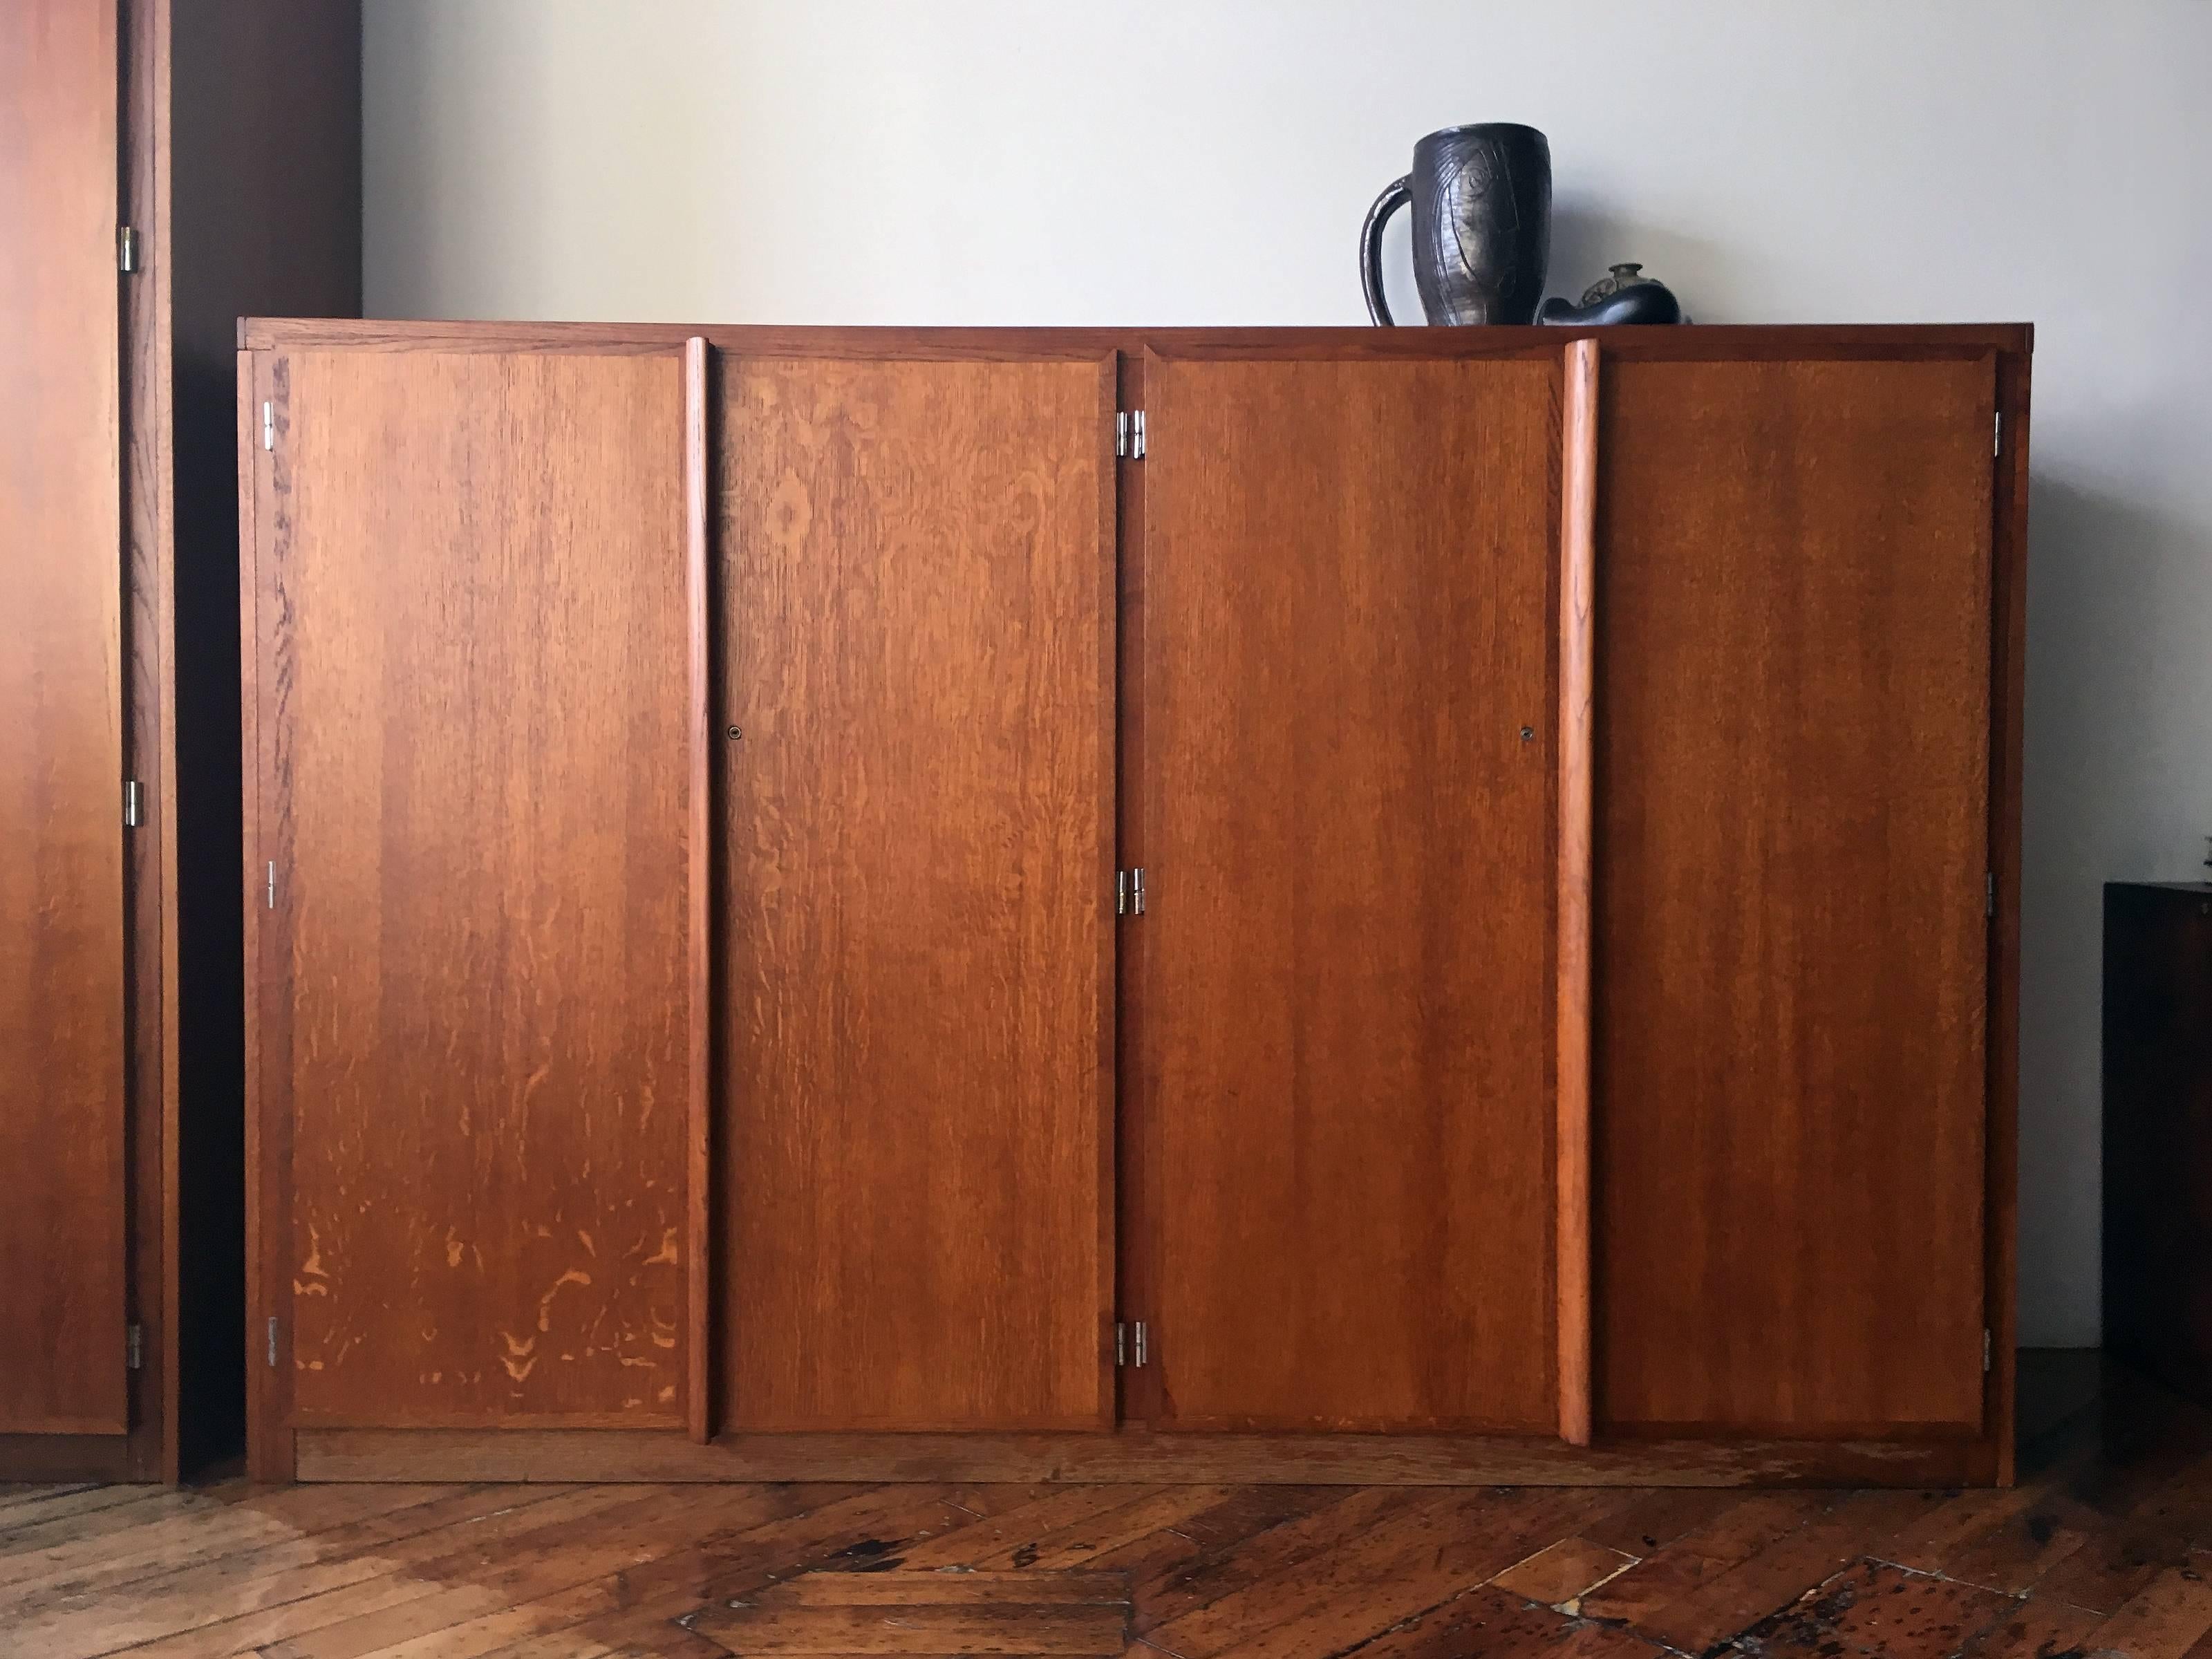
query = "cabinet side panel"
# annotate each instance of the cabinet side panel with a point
(1791, 980)
(916, 628)
(1350, 745)
(63, 1226)
(478, 739)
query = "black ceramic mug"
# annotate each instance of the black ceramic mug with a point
(1482, 225)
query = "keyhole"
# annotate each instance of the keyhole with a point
(736, 732)
(1528, 735)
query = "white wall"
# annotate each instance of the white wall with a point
(1156, 161)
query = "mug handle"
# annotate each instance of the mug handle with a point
(1395, 195)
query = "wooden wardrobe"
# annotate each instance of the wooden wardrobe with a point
(1426, 905)
(162, 168)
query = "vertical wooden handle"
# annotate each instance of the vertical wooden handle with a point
(697, 1270)
(1577, 611)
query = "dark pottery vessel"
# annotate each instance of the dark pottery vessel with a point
(1625, 296)
(1482, 197)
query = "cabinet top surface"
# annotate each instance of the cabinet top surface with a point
(1688, 342)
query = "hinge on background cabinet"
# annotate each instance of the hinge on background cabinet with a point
(1989, 894)
(130, 813)
(1129, 435)
(268, 426)
(134, 1348)
(1128, 892)
(272, 1341)
(126, 249)
(1130, 1340)
(1997, 439)
(1985, 1350)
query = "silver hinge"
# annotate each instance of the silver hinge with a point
(126, 249)
(1985, 1350)
(1128, 892)
(1989, 894)
(1130, 1344)
(272, 883)
(134, 1347)
(268, 426)
(272, 1341)
(1997, 439)
(1129, 435)
(131, 816)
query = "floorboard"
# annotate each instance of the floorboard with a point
(2105, 1549)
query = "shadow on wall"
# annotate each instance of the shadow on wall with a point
(2120, 689)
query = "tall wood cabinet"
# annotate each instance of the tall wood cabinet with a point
(1310, 905)
(159, 175)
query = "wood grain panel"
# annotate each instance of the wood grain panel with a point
(476, 724)
(63, 1228)
(699, 972)
(1344, 971)
(916, 599)
(152, 976)
(1791, 980)
(1578, 714)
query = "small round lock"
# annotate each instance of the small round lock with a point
(736, 732)
(1528, 735)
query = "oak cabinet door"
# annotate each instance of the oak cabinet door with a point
(63, 1277)
(477, 1033)
(1791, 958)
(915, 614)
(1340, 769)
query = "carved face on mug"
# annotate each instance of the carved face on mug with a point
(1478, 227)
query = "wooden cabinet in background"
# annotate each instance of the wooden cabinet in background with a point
(65, 1294)
(1305, 904)
(143, 208)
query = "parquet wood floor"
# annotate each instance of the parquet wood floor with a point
(2105, 1548)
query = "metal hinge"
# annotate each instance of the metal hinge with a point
(1128, 1339)
(1989, 894)
(268, 426)
(272, 1341)
(1128, 892)
(1997, 440)
(1129, 435)
(1985, 1350)
(131, 815)
(134, 1347)
(272, 883)
(126, 249)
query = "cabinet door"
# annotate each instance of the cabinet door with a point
(62, 1224)
(916, 613)
(1791, 951)
(1341, 774)
(477, 1036)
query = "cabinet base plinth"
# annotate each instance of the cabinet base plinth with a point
(1137, 1456)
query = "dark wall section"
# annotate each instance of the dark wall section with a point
(265, 182)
